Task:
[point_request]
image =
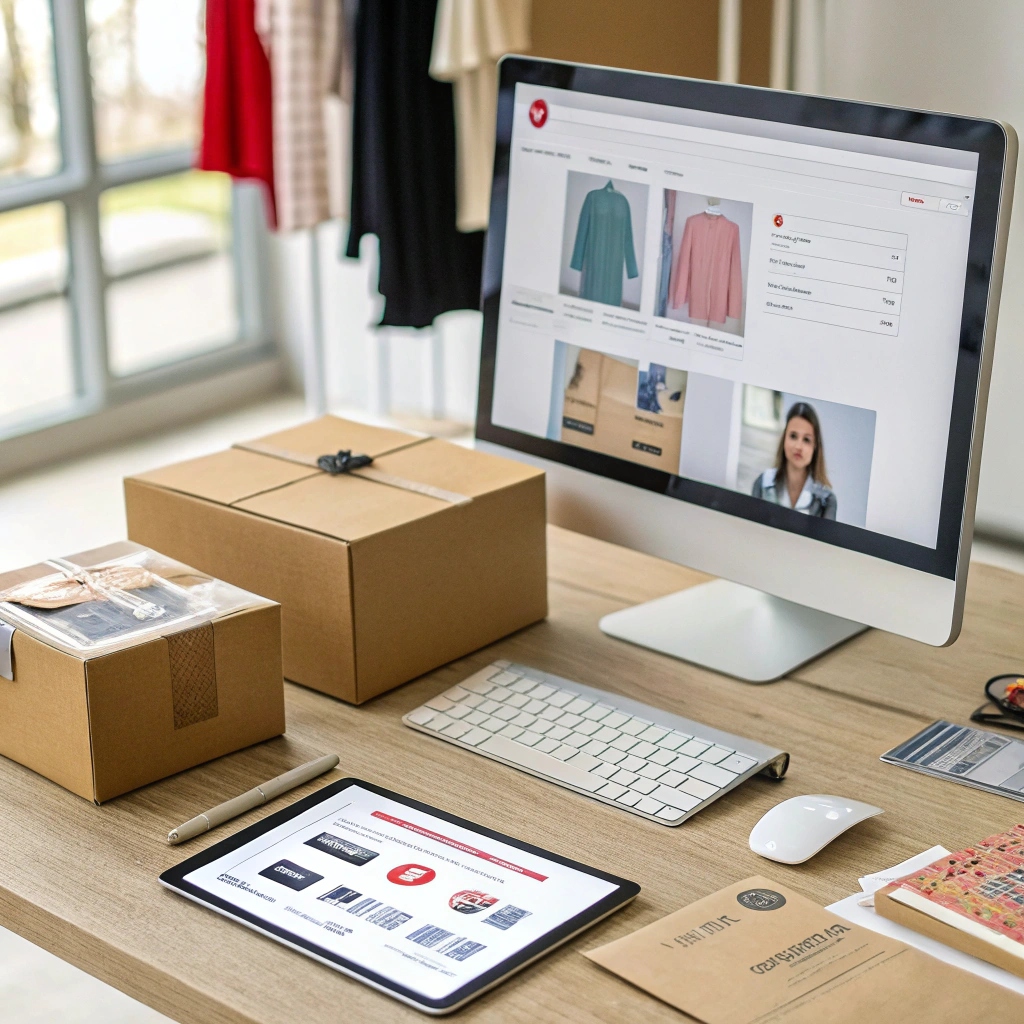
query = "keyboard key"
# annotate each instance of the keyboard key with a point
(652, 771)
(517, 700)
(643, 749)
(481, 686)
(503, 678)
(682, 763)
(714, 755)
(701, 790)
(472, 700)
(631, 763)
(653, 734)
(560, 698)
(488, 707)
(420, 716)
(550, 713)
(624, 777)
(612, 756)
(500, 693)
(606, 734)
(529, 757)
(439, 722)
(616, 719)
(535, 707)
(644, 785)
(475, 717)
(649, 806)
(492, 724)
(597, 712)
(587, 728)
(542, 691)
(456, 729)
(547, 744)
(604, 770)
(672, 797)
(458, 711)
(584, 761)
(456, 693)
(569, 720)
(672, 741)
(475, 736)
(624, 742)
(528, 739)
(669, 814)
(634, 726)
(575, 739)
(539, 725)
(522, 685)
(595, 748)
(578, 706)
(738, 763)
(713, 774)
(612, 790)
(629, 798)
(505, 713)
(511, 732)
(556, 732)
(440, 703)
(693, 748)
(524, 720)
(662, 756)
(564, 752)
(671, 778)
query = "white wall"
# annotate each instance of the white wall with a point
(962, 58)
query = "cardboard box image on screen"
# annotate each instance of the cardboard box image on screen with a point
(378, 583)
(105, 725)
(611, 406)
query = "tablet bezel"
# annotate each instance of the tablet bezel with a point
(174, 879)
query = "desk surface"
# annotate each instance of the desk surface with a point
(81, 881)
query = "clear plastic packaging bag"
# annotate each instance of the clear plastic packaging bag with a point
(116, 603)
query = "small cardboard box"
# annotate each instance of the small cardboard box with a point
(106, 724)
(382, 573)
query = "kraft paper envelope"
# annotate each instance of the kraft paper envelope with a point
(757, 953)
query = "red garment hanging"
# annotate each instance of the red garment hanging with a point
(238, 133)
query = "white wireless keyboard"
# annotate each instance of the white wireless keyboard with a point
(655, 764)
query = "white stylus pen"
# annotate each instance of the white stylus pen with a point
(247, 801)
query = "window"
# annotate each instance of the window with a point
(121, 268)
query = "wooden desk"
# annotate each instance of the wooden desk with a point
(81, 881)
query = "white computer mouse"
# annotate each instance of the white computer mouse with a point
(796, 829)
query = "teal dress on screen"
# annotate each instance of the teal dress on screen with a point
(604, 245)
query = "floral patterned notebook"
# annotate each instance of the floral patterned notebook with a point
(983, 883)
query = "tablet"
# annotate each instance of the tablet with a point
(417, 903)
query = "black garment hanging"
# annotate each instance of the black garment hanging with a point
(403, 168)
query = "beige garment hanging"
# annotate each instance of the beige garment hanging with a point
(300, 37)
(469, 38)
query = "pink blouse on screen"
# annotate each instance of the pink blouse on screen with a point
(706, 271)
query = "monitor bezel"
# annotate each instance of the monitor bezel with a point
(985, 138)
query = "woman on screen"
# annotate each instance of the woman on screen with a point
(799, 479)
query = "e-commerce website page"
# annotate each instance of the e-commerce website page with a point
(764, 307)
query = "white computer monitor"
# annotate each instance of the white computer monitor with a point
(749, 331)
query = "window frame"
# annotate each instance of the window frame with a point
(79, 184)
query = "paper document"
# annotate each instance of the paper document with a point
(759, 953)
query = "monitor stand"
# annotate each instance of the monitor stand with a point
(731, 629)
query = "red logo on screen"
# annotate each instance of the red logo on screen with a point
(411, 874)
(538, 113)
(777, 220)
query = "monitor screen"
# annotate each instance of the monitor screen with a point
(767, 315)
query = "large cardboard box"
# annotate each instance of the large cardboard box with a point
(383, 573)
(106, 724)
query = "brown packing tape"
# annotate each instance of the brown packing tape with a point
(366, 472)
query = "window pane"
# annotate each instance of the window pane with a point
(148, 60)
(167, 255)
(28, 96)
(36, 367)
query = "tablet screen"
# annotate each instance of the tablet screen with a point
(414, 899)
